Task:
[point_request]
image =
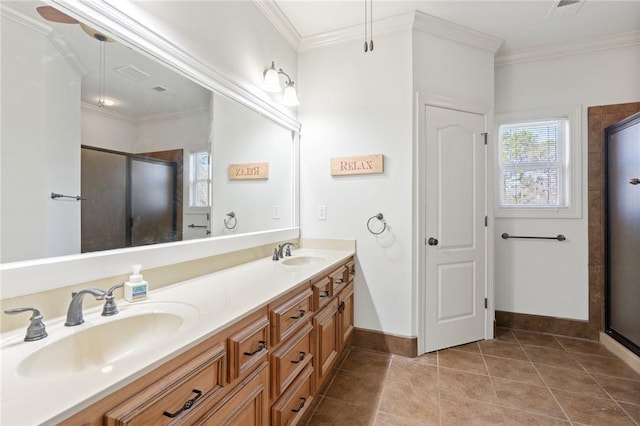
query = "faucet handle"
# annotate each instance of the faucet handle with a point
(275, 256)
(288, 252)
(36, 329)
(110, 307)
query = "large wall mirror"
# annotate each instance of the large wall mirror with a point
(103, 147)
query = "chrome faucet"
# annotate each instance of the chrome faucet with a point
(36, 329)
(74, 314)
(110, 307)
(288, 246)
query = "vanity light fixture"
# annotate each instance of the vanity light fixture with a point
(271, 84)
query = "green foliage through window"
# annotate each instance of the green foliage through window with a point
(532, 163)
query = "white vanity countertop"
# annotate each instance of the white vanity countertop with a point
(213, 302)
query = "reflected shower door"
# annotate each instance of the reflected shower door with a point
(153, 201)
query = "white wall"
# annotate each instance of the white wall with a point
(101, 130)
(40, 140)
(554, 281)
(352, 103)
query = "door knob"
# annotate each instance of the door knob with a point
(432, 241)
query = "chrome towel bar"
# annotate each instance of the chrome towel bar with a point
(559, 237)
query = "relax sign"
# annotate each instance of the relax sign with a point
(362, 165)
(249, 171)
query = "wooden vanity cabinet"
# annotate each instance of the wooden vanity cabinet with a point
(326, 344)
(265, 369)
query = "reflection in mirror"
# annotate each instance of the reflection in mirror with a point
(252, 171)
(58, 138)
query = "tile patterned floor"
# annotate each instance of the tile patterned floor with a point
(520, 378)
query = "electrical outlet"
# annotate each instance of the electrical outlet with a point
(322, 212)
(276, 212)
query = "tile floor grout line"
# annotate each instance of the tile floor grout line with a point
(384, 384)
(545, 383)
(484, 361)
(611, 396)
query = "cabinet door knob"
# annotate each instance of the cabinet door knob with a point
(188, 404)
(432, 241)
(262, 344)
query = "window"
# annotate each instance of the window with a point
(538, 165)
(200, 182)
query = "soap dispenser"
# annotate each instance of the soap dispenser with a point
(136, 288)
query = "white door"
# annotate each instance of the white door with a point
(455, 227)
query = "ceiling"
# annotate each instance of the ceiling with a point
(522, 24)
(139, 96)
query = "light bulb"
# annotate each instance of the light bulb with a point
(290, 97)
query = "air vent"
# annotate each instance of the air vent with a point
(132, 72)
(163, 90)
(564, 8)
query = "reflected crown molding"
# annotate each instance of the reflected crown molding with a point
(47, 31)
(127, 30)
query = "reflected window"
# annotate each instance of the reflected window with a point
(200, 182)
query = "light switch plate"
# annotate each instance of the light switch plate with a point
(276, 212)
(322, 212)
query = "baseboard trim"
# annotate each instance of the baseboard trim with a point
(383, 342)
(551, 325)
(620, 351)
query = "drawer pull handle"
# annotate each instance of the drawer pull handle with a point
(302, 312)
(186, 405)
(261, 346)
(324, 293)
(300, 358)
(301, 406)
(341, 307)
(339, 281)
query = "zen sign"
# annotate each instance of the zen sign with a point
(249, 171)
(362, 165)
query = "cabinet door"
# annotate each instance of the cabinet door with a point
(345, 308)
(326, 342)
(247, 406)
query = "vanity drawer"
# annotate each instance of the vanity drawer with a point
(289, 359)
(338, 279)
(322, 292)
(293, 404)
(172, 397)
(247, 344)
(350, 270)
(289, 314)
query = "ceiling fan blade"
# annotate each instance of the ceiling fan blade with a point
(54, 15)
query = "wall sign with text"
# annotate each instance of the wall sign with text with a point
(248, 171)
(361, 165)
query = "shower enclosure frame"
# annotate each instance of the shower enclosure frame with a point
(610, 328)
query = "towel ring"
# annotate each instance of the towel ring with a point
(380, 217)
(231, 216)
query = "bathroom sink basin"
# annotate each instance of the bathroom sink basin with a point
(113, 339)
(302, 260)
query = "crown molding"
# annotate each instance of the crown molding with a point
(566, 49)
(127, 118)
(280, 21)
(416, 20)
(439, 27)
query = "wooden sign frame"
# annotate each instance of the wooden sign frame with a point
(358, 165)
(248, 171)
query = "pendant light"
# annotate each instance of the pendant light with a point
(368, 45)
